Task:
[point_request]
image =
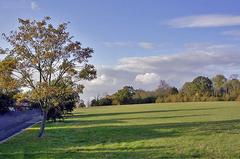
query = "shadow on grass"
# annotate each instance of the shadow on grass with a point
(106, 141)
(138, 112)
(120, 120)
(91, 136)
(89, 122)
(165, 117)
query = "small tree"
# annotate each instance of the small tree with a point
(45, 57)
(232, 89)
(188, 89)
(218, 83)
(124, 95)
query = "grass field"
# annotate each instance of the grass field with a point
(179, 130)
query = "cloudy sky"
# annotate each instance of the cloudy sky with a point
(139, 42)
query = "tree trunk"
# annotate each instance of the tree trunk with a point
(42, 128)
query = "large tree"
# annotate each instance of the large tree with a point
(45, 56)
(203, 85)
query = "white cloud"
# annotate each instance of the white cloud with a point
(19, 4)
(147, 78)
(231, 33)
(183, 62)
(118, 44)
(209, 20)
(102, 79)
(34, 5)
(144, 45)
(147, 45)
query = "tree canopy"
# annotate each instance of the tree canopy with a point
(43, 58)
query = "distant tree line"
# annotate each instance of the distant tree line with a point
(219, 88)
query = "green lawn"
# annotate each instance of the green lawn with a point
(179, 130)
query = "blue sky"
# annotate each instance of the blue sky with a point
(129, 36)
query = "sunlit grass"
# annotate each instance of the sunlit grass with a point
(178, 130)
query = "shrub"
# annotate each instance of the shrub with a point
(5, 103)
(55, 113)
(159, 100)
(238, 98)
